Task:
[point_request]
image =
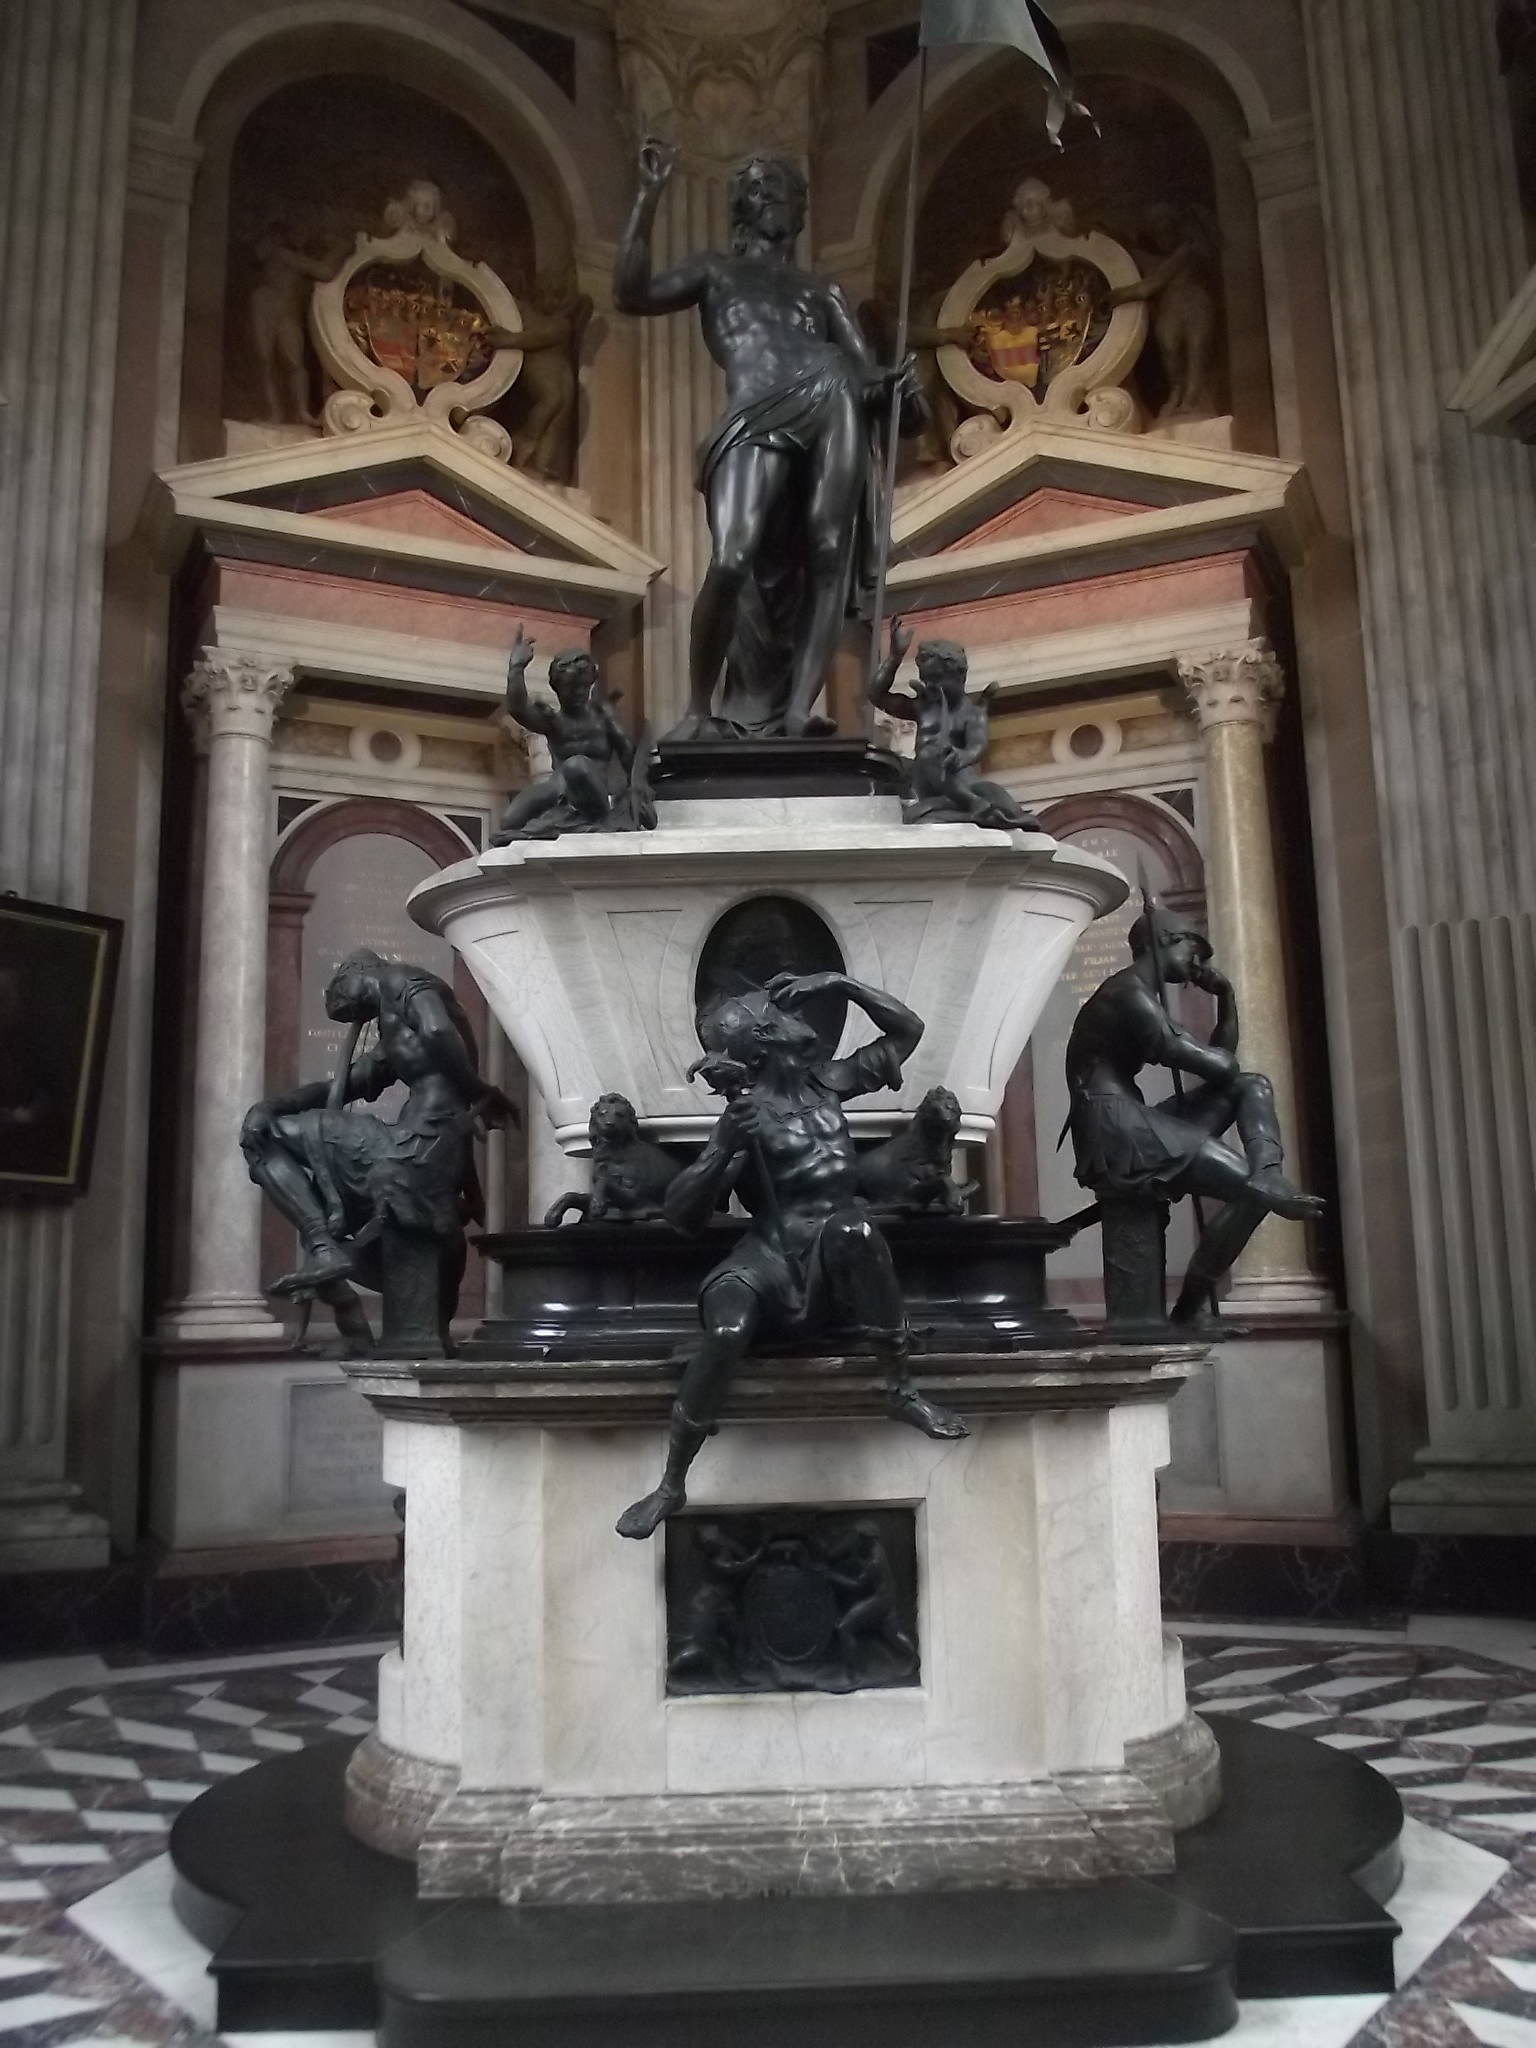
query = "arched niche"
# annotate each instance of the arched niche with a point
(1171, 127)
(323, 156)
(397, 844)
(453, 101)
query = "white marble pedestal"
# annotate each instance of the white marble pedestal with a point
(527, 1746)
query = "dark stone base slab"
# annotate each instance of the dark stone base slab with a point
(1279, 1892)
(136, 1603)
(831, 766)
(631, 1290)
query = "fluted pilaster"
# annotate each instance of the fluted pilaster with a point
(715, 78)
(1426, 248)
(66, 70)
(1236, 695)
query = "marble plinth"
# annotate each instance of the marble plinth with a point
(587, 947)
(528, 1747)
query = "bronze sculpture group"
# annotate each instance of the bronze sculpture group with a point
(787, 475)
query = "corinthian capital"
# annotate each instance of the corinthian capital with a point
(719, 77)
(1235, 686)
(234, 693)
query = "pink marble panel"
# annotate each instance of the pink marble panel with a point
(1046, 511)
(418, 513)
(430, 614)
(1095, 601)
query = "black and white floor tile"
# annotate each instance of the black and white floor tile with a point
(96, 1760)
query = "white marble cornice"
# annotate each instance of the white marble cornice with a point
(1283, 160)
(162, 164)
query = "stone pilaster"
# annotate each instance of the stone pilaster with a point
(1236, 694)
(232, 700)
(1425, 249)
(716, 78)
(66, 69)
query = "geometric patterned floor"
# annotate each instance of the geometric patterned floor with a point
(96, 1760)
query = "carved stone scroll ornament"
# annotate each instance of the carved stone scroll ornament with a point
(405, 326)
(1049, 343)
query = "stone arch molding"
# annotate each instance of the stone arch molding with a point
(317, 831)
(375, 22)
(956, 82)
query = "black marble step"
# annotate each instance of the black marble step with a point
(1303, 1857)
(908, 1971)
(1278, 1894)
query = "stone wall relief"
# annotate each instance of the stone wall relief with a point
(409, 329)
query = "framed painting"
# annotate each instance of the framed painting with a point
(58, 971)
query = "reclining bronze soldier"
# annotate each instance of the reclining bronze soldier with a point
(1128, 1146)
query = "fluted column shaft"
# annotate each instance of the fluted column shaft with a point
(1236, 695)
(66, 69)
(681, 395)
(235, 699)
(1426, 248)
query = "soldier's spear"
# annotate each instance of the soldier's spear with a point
(1022, 25)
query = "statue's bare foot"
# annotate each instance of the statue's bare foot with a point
(325, 1266)
(647, 1516)
(697, 725)
(904, 1403)
(1284, 1197)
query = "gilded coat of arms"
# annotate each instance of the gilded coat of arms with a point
(1029, 329)
(424, 328)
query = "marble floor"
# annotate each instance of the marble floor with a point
(97, 1757)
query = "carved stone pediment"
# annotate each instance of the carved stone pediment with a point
(1050, 345)
(404, 328)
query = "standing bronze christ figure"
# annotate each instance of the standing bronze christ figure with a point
(789, 474)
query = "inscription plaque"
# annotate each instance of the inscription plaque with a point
(335, 1450)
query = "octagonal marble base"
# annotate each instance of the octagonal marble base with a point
(528, 1748)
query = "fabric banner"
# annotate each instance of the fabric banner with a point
(1021, 25)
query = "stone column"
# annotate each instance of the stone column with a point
(234, 697)
(716, 78)
(66, 70)
(1426, 248)
(1236, 696)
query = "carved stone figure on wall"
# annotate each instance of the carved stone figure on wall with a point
(813, 1260)
(789, 473)
(382, 1203)
(598, 779)
(630, 1175)
(278, 306)
(952, 736)
(1179, 260)
(1127, 1147)
(554, 321)
(926, 335)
